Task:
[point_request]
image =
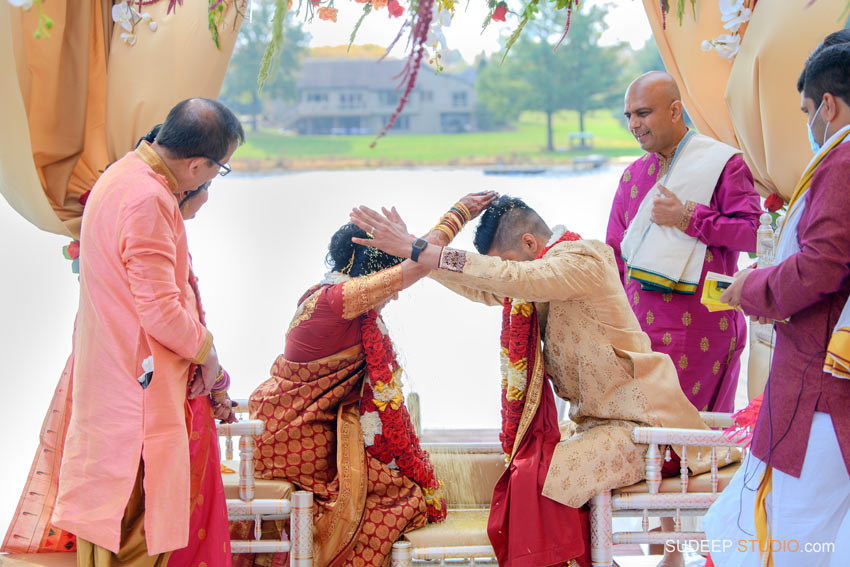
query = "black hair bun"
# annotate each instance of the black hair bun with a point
(341, 247)
(150, 137)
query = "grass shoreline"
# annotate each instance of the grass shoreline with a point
(342, 164)
(523, 145)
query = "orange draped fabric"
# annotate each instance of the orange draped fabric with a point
(63, 85)
(750, 102)
(86, 96)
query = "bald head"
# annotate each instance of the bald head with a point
(657, 83)
(653, 107)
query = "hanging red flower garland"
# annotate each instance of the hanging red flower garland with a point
(388, 431)
(518, 344)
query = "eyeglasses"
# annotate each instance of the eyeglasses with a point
(224, 168)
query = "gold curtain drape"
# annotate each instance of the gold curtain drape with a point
(76, 101)
(751, 102)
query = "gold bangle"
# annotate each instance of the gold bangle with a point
(445, 230)
(464, 209)
(456, 217)
(453, 222)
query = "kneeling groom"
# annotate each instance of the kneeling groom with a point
(565, 319)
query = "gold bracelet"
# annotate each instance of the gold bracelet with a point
(220, 376)
(453, 221)
(464, 209)
(445, 230)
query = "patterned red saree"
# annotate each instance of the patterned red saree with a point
(314, 438)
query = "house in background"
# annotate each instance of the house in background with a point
(358, 96)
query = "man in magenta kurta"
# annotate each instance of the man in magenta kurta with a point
(800, 455)
(705, 347)
(124, 478)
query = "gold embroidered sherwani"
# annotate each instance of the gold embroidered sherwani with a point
(596, 356)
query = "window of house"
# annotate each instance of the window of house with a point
(317, 97)
(321, 125)
(401, 123)
(459, 99)
(350, 125)
(350, 100)
(426, 96)
(455, 122)
(388, 97)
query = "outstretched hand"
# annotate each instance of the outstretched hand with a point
(477, 202)
(389, 233)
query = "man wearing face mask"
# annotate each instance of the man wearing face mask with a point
(795, 484)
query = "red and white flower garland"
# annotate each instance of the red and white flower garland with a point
(387, 430)
(517, 318)
(519, 337)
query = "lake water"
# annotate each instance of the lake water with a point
(258, 244)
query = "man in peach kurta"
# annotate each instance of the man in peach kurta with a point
(124, 479)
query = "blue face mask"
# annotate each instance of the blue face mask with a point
(815, 145)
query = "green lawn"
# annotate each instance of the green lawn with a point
(524, 144)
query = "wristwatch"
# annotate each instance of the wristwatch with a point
(419, 245)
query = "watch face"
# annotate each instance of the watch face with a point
(418, 246)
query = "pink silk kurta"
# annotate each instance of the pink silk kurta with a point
(705, 347)
(135, 301)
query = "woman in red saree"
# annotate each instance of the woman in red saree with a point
(336, 423)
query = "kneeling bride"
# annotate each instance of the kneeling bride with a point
(336, 422)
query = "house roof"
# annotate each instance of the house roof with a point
(362, 73)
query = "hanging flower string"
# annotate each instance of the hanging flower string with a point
(418, 37)
(388, 432)
(567, 25)
(215, 17)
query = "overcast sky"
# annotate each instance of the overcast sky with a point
(626, 20)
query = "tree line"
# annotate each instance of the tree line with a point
(580, 76)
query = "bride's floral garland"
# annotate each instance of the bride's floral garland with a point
(519, 337)
(387, 430)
